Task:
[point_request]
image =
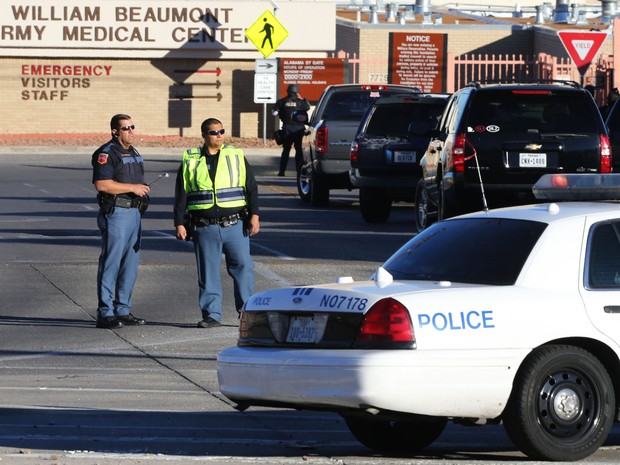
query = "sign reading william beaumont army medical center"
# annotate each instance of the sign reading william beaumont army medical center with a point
(155, 28)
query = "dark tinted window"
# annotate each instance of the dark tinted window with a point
(520, 111)
(394, 120)
(604, 257)
(352, 106)
(479, 251)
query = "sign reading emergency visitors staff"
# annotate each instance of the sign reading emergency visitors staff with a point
(267, 33)
(582, 46)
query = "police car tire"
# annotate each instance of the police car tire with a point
(533, 422)
(383, 435)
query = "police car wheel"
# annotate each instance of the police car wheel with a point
(562, 404)
(384, 435)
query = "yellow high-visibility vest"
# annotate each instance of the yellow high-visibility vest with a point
(228, 190)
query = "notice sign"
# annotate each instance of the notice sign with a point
(312, 75)
(418, 60)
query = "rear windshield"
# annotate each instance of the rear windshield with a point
(394, 120)
(351, 106)
(489, 251)
(563, 112)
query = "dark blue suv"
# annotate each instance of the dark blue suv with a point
(386, 151)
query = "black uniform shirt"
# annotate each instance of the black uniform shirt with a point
(112, 161)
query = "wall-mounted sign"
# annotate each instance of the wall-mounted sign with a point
(311, 75)
(158, 28)
(418, 60)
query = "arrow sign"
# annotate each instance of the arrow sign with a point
(582, 47)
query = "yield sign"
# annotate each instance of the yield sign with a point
(582, 46)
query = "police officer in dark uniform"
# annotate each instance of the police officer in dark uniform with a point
(292, 111)
(122, 193)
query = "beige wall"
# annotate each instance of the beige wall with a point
(173, 96)
(61, 99)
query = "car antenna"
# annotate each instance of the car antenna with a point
(485, 207)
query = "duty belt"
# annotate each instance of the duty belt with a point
(127, 203)
(223, 221)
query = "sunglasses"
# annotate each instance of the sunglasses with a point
(215, 132)
(127, 128)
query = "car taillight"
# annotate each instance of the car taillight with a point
(458, 153)
(321, 140)
(605, 154)
(386, 321)
(354, 148)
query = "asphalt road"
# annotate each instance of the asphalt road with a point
(73, 394)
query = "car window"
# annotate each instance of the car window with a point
(604, 256)
(394, 120)
(469, 250)
(352, 106)
(454, 116)
(564, 112)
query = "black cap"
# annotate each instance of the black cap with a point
(293, 88)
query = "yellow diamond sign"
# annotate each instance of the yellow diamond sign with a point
(267, 33)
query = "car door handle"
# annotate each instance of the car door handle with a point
(612, 308)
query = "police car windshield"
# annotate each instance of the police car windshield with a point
(488, 251)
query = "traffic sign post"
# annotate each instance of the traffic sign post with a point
(267, 33)
(582, 47)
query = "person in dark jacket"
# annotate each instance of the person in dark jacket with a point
(293, 113)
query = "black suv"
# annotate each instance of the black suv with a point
(331, 130)
(500, 139)
(386, 152)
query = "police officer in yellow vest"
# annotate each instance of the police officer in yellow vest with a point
(216, 205)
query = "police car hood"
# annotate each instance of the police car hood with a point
(354, 296)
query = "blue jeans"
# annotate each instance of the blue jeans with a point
(209, 243)
(118, 262)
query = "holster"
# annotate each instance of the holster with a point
(106, 202)
(143, 203)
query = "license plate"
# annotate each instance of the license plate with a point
(301, 329)
(533, 160)
(404, 157)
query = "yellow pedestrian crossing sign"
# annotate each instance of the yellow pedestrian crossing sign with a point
(267, 33)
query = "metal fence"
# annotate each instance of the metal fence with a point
(463, 69)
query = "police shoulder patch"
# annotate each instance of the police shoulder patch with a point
(102, 159)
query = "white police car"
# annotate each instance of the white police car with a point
(510, 315)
